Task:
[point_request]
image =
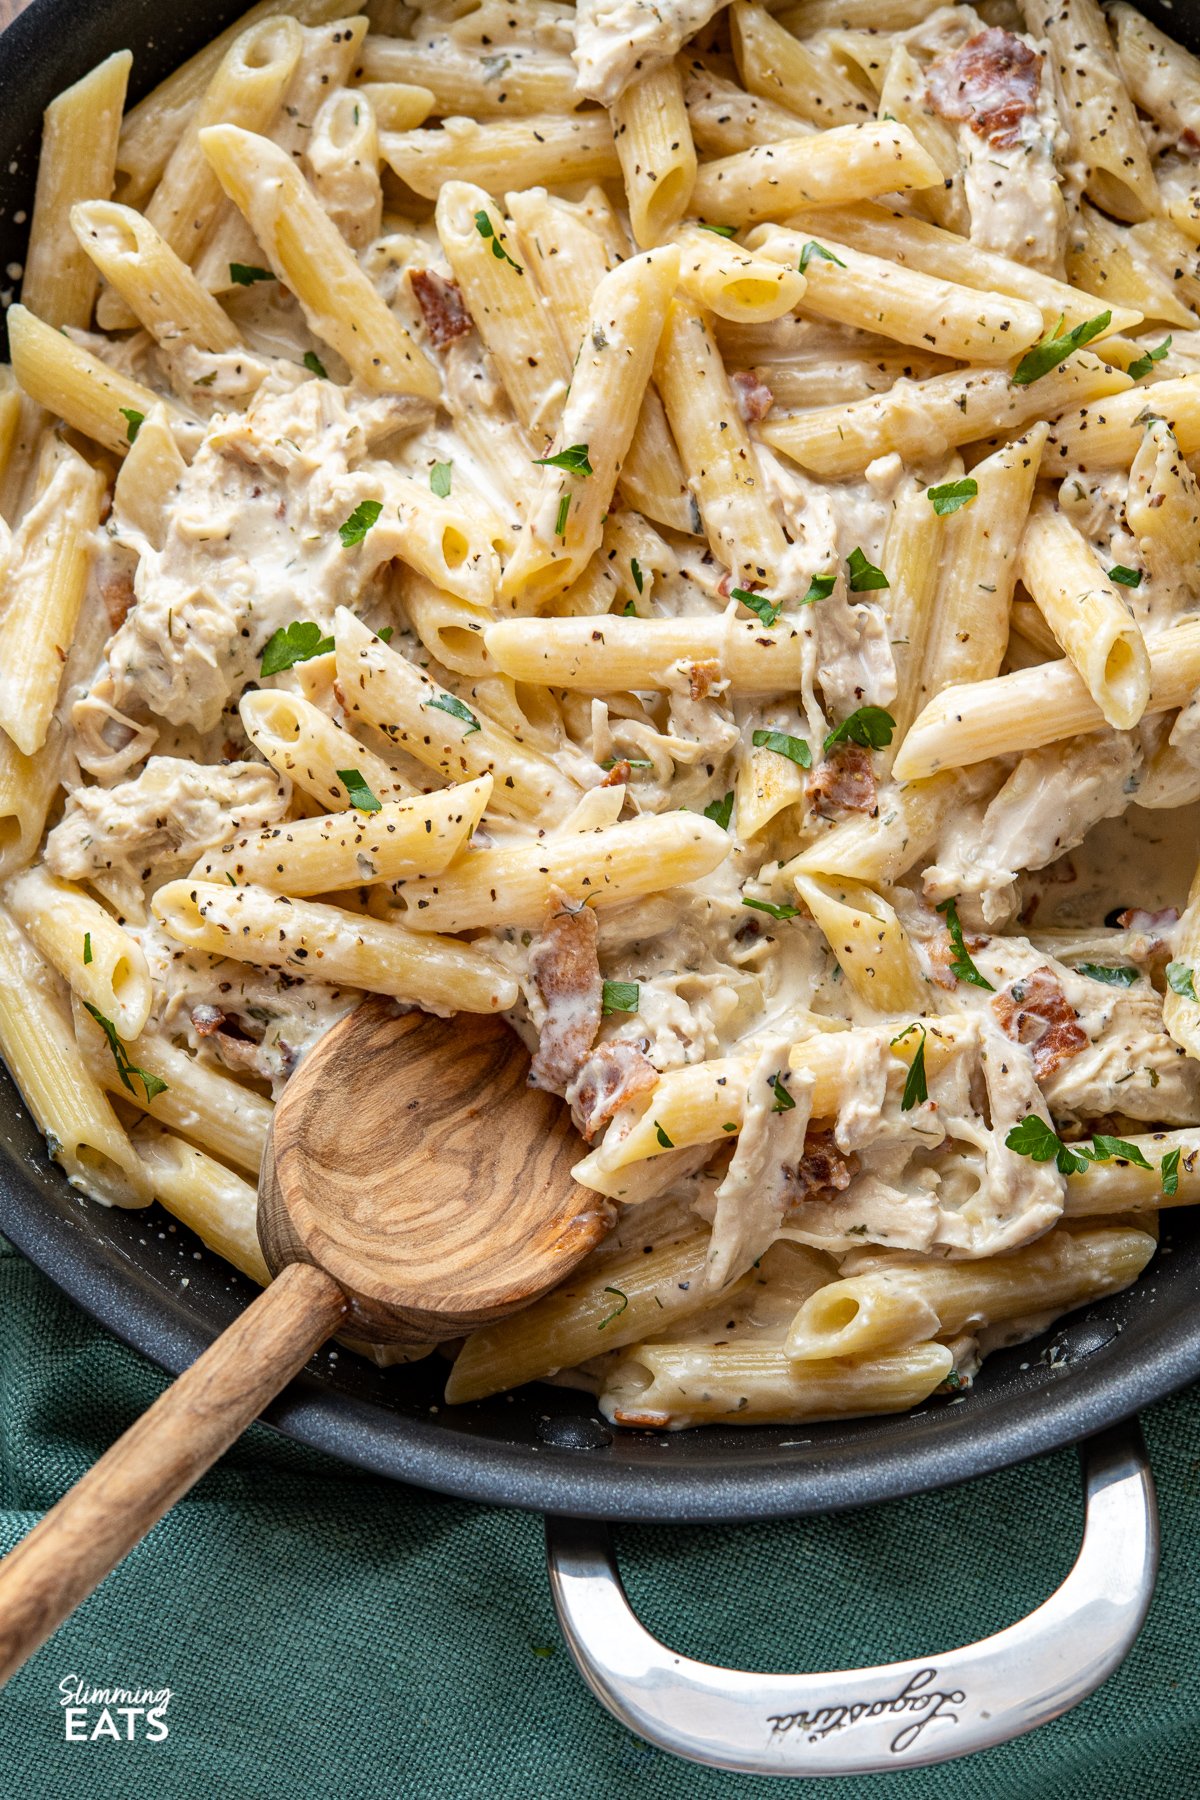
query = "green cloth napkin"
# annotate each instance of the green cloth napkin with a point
(326, 1633)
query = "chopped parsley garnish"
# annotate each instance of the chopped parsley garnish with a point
(620, 996)
(952, 495)
(1125, 577)
(574, 459)
(1115, 974)
(729, 1125)
(725, 231)
(486, 229)
(720, 811)
(784, 745)
(662, 1137)
(961, 966)
(134, 421)
(292, 644)
(1040, 1142)
(87, 948)
(1104, 1149)
(1169, 1167)
(863, 574)
(560, 524)
(1181, 980)
(356, 527)
(630, 611)
(1057, 347)
(617, 1310)
(315, 366)
(360, 794)
(1142, 365)
(246, 274)
(870, 726)
(449, 703)
(783, 1101)
(386, 635)
(128, 1072)
(783, 911)
(811, 249)
(916, 1088)
(819, 588)
(767, 610)
(635, 569)
(439, 479)
(634, 762)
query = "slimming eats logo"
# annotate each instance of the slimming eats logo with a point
(126, 1714)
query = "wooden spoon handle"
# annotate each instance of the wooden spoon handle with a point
(135, 1482)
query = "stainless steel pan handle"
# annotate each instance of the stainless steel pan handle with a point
(900, 1715)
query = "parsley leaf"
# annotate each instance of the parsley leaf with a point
(1125, 577)
(916, 1088)
(560, 524)
(574, 459)
(355, 528)
(784, 745)
(134, 421)
(439, 479)
(767, 610)
(768, 906)
(635, 762)
(725, 231)
(360, 794)
(635, 569)
(870, 726)
(1168, 1169)
(961, 965)
(620, 996)
(863, 574)
(1142, 365)
(630, 611)
(246, 274)
(449, 703)
(1115, 974)
(662, 1137)
(819, 588)
(1104, 1149)
(486, 229)
(292, 644)
(1041, 1143)
(811, 249)
(952, 495)
(617, 1310)
(87, 948)
(719, 811)
(128, 1072)
(315, 366)
(1181, 980)
(783, 1100)
(1056, 348)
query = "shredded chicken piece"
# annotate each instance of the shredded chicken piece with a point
(1033, 1010)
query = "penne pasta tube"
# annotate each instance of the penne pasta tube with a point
(306, 745)
(397, 105)
(657, 156)
(503, 153)
(72, 383)
(347, 849)
(599, 868)
(327, 943)
(463, 80)
(308, 253)
(77, 162)
(40, 1052)
(619, 653)
(724, 118)
(149, 477)
(1087, 613)
(208, 1198)
(807, 16)
(343, 160)
(872, 948)
(882, 850)
(735, 283)
(671, 1386)
(1036, 706)
(1115, 261)
(851, 162)
(1119, 1185)
(1162, 77)
(565, 522)
(904, 1300)
(807, 79)
(441, 731)
(28, 786)
(901, 303)
(1109, 436)
(95, 956)
(157, 286)
(904, 97)
(922, 420)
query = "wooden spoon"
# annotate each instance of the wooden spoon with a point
(413, 1187)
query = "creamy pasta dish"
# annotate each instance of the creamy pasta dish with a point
(676, 523)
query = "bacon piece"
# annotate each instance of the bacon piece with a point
(701, 677)
(207, 1020)
(612, 1075)
(754, 398)
(1033, 1010)
(620, 772)
(990, 84)
(441, 302)
(843, 781)
(116, 591)
(563, 963)
(821, 1170)
(1135, 918)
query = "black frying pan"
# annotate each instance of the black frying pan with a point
(547, 1448)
